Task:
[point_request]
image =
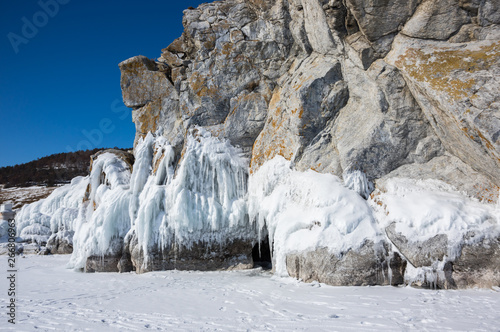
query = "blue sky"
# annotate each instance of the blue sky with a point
(61, 90)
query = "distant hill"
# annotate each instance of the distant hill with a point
(48, 171)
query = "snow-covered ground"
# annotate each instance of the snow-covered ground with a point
(51, 297)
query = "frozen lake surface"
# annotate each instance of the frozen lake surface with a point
(53, 298)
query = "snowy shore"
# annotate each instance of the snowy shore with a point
(51, 297)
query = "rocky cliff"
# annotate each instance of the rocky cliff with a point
(359, 139)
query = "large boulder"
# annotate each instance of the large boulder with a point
(106, 262)
(478, 264)
(419, 253)
(142, 82)
(368, 265)
(235, 254)
(378, 18)
(449, 240)
(428, 22)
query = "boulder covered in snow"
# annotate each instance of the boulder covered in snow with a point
(141, 217)
(61, 242)
(419, 253)
(449, 240)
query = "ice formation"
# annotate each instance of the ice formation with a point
(208, 197)
(358, 182)
(204, 202)
(307, 210)
(423, 208)
(37, 221)
(103, 220)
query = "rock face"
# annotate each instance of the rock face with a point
(200, 256)
(461, 97)
(419, 253)
(142, 81)
(363, 267)
(265, 117)
(314, 82)
(428, 21)
(478, 265)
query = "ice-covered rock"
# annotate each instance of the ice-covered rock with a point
(61, 242)
(38, 221)
(358, 182)
(103, 219)
(449, 239)
(149, 219)
(200, 214)
(367, 265)
(306, 211)
(246, 123)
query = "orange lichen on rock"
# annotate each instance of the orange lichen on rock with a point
(200, 85)
(317, 167)
(487, 194)
(487, 143)
(282, 132)
(148, 121)
(300, 112)
(263, 152)
(300, 82)
(86, 196)
(227, 49)
(436, 68)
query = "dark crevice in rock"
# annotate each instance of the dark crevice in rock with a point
(261, 254)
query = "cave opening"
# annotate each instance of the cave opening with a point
(261, 254)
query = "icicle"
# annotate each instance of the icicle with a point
(358, 182)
